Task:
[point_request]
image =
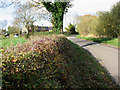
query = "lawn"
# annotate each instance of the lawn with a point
(6, 42)
(109, 41)
(12, 40)
(52, 62)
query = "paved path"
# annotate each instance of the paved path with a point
(108, 56)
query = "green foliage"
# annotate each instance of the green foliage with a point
(0, 32)
(106, 24)
(109, 22)
(115, 11)
(26, 35)
(57, 9)
(87, 25)
(71, 29)
(13, 30)
(49, 62)
(3, 31)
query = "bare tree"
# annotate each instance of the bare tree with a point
(7, 3)
(25, 15)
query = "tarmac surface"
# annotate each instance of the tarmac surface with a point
(107, 56)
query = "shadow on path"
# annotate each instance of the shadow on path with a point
(89, 44)
(82, 41)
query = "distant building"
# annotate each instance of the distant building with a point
(37, 29)
(24, 30)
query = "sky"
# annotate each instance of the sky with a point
(80, 7)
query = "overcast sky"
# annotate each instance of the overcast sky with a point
(81, 7)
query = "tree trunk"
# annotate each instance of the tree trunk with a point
(57, 22)
(62, 23)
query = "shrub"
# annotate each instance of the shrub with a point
(37, 63)
(11, 35)
(26, 35)
(51, 62)
(87, 25)
(71, 29)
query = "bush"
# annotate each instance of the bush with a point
(51, 62)
(71, 29)
(35, 64)
(26, 35)
(11, 35)
(87, 25)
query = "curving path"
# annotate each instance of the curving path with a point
(107, 56)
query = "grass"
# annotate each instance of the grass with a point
(51, 33)
(63, 64)
(109, 41)
(6, 42)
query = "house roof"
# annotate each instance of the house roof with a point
(39, 28)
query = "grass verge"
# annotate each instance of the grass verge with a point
(6, 42)
(109, 41)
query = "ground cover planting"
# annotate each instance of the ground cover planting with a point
(107, 41)
(51, 62)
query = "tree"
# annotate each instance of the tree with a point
(0, 33)
(3, 31)
(13, 30)
(71, 29)
(17, 22)
(87, 25)
(104, 27)
(7, 3)
(25, 15)
(57, 10)
(109, 22)
(115, 13)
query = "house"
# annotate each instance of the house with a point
(24, 30)
(37, 29)
(43, 29)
